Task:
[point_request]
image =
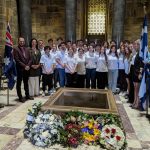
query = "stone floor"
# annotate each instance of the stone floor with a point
(12, 121)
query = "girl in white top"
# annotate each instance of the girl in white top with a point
(121, 77)
(112, 68)
(80, 68)
(102, 69)
(90, 61)
(97, 50)
(70, 68)
(106, 46)
(127, 66)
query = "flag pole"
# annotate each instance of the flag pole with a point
(7, 20)
(147, 80)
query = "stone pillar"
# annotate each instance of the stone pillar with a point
(3, 25)
(118, 20)
(25, 20)
(71, 20)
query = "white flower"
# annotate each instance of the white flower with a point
(37, 120)
(30, 118)
(51, 118)
(54, 131)
(45, 134)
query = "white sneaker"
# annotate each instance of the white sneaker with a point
(121, 94)
(53, 91)
(43, 94)
(50, 92)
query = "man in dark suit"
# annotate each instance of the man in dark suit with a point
(23, 62)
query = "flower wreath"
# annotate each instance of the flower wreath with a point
(112, 137)
(91, 131)
(42, 129)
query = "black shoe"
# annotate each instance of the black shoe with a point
(22, 100)
(29, 98)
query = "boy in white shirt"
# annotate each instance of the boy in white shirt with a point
(48, 64)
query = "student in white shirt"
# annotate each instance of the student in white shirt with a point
(102, 69)
(90, 61)
(112, 68)
(70, 68)
(47, 63)
(53, 53)
(106, 46)
(122, 84)
(85, 48)
(127, 66)
(60, 60)
(81, 68)
(97, 50)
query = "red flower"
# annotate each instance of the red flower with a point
(69, 126)
(73, 141)
(107, 130)
(118, 138)
(113, 131)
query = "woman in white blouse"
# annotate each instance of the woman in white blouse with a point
(112, 68)
(102, 69)
(70, 68)
(90, 61)
(122, 84)
(80, 68)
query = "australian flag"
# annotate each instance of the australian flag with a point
(9, 63)
(143, 55)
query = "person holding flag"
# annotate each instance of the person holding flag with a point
(9, 63)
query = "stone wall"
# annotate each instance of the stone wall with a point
(134, 20)
(8, 8)
(134, 16)
(48, 19)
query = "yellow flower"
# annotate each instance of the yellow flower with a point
(85, 135)
(90, 125)
(96, 132)
(90, 138)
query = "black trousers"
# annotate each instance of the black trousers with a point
(91, 77)
(22, 75)
(102, 80)
(71, 80)
(80, 81)
(56, 77)
(122, 84)
(131, 92)
(47, 81)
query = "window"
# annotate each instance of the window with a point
(96, 17)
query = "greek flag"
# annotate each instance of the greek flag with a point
(9, 68)
(143, 55)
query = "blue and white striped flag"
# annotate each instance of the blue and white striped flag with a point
(143, 55)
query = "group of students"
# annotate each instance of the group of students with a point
(81, 65)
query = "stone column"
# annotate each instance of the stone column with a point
(3, 24)
(71, 20)
(25, 20)
(118, 20)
